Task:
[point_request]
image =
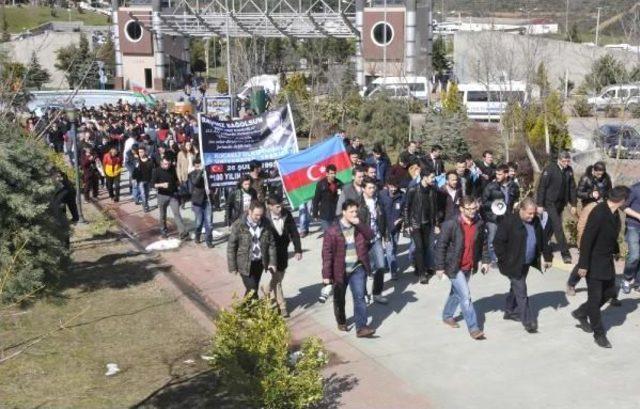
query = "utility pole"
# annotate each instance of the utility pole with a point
(384, 48)
(566, 19)
(598, 25)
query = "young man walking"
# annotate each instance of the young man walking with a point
(165, 181)
(461, 246)
(598, 247)
(556, 189)
(326, 197)
(345, 263)
(200, 203)
(419, 221)
(371, 214)
(284, 230)
(518, 244)
(251, 247)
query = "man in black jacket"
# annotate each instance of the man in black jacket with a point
(461, 246)
(284, 231)
(326, 197)
(498, 189)
(419, 221)
(598, 247)
(518, 244)
(200, 203)
(448, 199)
(487, 169)
(465, 179)
(164, 179)
(433, 163)
(557, 188)
(594, 185)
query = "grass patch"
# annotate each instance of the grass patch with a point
(28, 17)
(123, 317)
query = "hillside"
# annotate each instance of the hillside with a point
(28, 17)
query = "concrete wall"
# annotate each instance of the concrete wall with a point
(45, 46)
(133, 67)
(482, 55)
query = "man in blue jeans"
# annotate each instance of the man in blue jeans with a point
(461, 246)
(345, 263)
(632, 237)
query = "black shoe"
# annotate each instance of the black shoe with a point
(146, 209)
(165, 233)
(197, 239)
(425, 279)
(615, 302)
(511, 316)
(566, 258)
(185, 236)
(210, 244)
(531, 328)
(583, 323)
(602, 341)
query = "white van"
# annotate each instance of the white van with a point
(488, 102)
(419, 87)
(619, 96)
(270, 83)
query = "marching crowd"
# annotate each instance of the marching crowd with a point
(459, 221)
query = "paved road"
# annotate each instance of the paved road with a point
(560, 367)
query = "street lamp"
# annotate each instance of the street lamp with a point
(71, 117)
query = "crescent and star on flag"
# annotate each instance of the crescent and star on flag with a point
(321, 170)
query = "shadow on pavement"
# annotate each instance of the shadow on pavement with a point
(616, 316)
(334, 387)
(398, 299)
(538, 302)
(306, 297)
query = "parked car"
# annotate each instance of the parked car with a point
(617, 96)
(627, 138)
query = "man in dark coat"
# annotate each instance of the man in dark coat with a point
(251, 248)
(598, 247)
(285, 231)
(326, 197)
(518, 243)
(498, 189)
(556, 189)
(461, 246)
(345, 262)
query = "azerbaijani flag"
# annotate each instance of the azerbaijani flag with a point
(300, 172)
(142, 92)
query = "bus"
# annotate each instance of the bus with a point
(488, 103)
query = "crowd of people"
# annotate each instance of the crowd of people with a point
(461, 220)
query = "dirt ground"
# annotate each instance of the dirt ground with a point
(110, 308)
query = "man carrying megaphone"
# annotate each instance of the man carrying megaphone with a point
(497, 198)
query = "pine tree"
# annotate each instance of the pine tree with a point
(542, 80)
(79, 63)
(33, 251)
(36, 75)
(446, 131)
(452, 101)
(440, 62)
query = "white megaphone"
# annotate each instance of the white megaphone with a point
(498, 207)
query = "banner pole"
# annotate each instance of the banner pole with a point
(293, 125)
(204, 165)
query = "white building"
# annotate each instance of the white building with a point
(521, 26)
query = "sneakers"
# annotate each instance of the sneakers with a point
(583, 322)
(531, 328)
(566, 258)
(380, 299)
(451, 322)
(571, 291)
(343, 327)
(365, 332)
(165, 233)
(626, 286)
(424, 279)
(210, 244)
(602, 341)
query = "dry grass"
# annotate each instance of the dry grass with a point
(128, 320)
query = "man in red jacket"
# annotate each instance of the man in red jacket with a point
(345, 262)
